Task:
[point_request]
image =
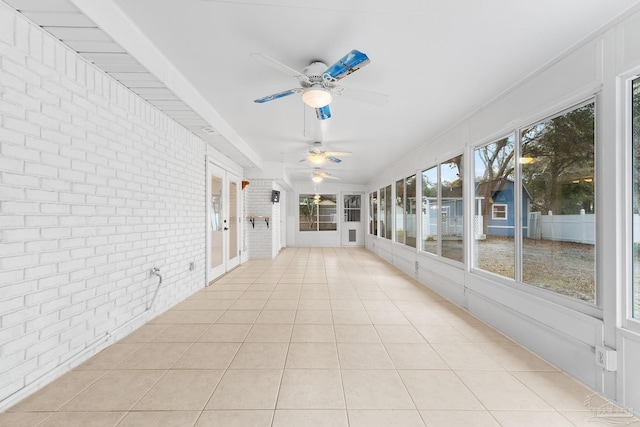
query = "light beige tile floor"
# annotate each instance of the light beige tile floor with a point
(315, 337)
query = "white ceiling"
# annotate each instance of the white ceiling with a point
(437, 60)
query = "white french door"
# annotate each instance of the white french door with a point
(223, 221)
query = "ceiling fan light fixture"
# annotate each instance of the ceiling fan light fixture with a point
(316, 96)
(316, 178)
(317, 158)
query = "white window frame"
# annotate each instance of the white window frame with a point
(626, 303)
(348, 210)
(506, 212)
(317, 215)
(588, 308)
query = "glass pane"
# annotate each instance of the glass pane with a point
(399, 211)
(410, 211)
(216, 222)
(636, 198)
(387, 219)
(494, 222)
(233, 220)
(327, 212)
(558, 228)
(373, 213)
(352, 208)
(451, 209)
(383, 213)
(308, 212)
(430, 210)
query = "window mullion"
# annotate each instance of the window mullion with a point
(517, 207)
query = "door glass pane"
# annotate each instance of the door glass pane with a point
(233, 220)
(352, 208)
(636, 198)
(451, 209)
(399, 211)
(430, 210)
(558, 223)
(215, 222)
(494, 222)
(410, 211)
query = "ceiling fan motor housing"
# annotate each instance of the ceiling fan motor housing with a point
(315, 69)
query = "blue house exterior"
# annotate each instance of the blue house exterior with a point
(500, 215)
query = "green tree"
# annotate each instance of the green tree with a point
(497, 159)
(308, 209)
(562, 153)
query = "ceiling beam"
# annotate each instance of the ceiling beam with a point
(116, 24)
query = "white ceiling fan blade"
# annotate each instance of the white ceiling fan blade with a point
(363, 95)
(277, 95)
(337, 153)
(323, 174)
(280, 66)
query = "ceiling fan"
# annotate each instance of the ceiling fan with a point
(318, 156)
(318, 82)
(318, 175)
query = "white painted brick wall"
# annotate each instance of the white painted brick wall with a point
(275, 219)
(96, 188)
(261, 239)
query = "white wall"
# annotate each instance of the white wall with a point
(96, 188)
(263, 238)
(563, 331)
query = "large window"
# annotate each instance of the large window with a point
(451, 209)
(636, 197)
(495, 214)
(430, 209)
(318, 212)
(558, 218)
(373, 213)
(410, 211)
(406, 211)
(443, 210)
(385, 212)
(399, 211)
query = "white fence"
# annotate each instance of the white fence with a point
(567, 228)
(571, 228)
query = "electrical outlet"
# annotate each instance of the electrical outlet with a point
(192, 266)
(606, 358)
